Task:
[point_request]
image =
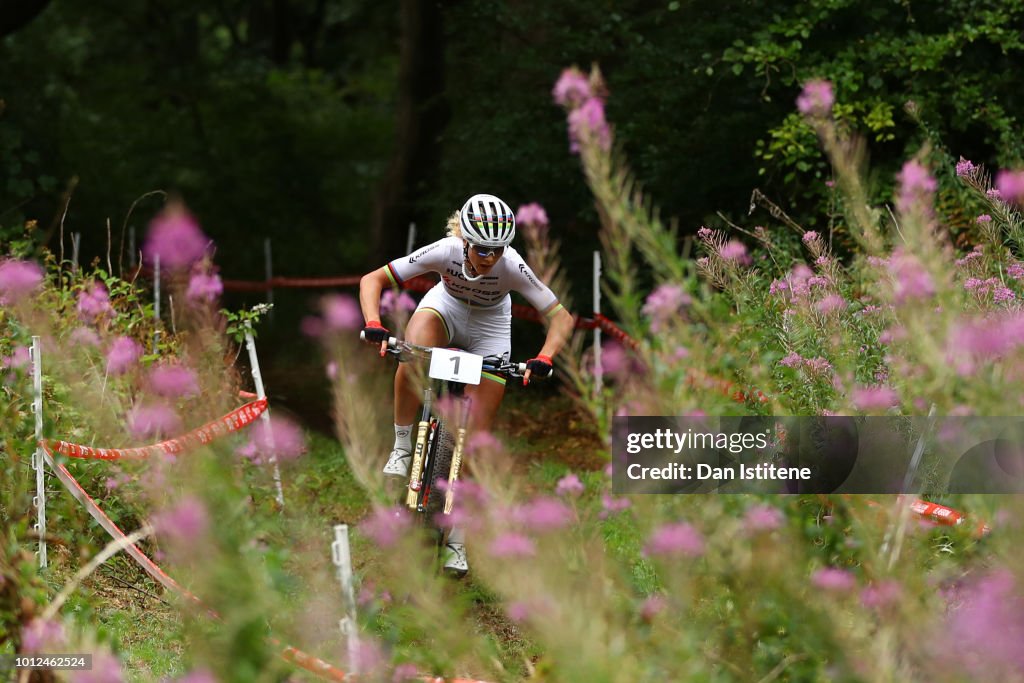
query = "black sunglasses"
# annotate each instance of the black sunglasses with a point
(484, 252)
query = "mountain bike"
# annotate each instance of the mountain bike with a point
(440, 440)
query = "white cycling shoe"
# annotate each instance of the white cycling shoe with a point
(455, 562)
(398, 463)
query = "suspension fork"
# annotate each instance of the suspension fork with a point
(462, 420)
(416, 471)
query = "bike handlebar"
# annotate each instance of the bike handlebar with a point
(397, 347)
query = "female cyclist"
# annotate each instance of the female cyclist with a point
(471, 309)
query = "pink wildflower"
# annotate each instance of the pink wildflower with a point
(569, 485)
(916, 188)
(483, 442)
(1011, 185)
(983, 219)
(341, 312)
(652, 606)
(199, 676)
(392, 303)
(123, 354)
(518, 611)
(94, 303)
(810, 236)
(1015, 271)
(778, 286)
(41, 633)
(984, 634)
(664, 304)
(964, 167)
(280, 438)
(792, 360)
(705, 234)
(735, 251)
(882, 594)
(106, 668)
(611, 505)
(832, 302)
(679, 539)
(587, 123)
(84, 336)
(1001, 294)
(534, 216)
(18, 279)
(912, 280)
(175, 237)
(874, 398)
(20, 357)
(312, 326)
(763, 518)
(151, 421)
(204, 288)
(993, 193)
(816, 99)
(385, 526)
(544, 514)
(834, 580)
(404, 673)
(512, 545)
(817, 366)
(185, 522)
(571, 88)
(173, 380)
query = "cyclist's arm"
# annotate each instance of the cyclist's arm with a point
(370, 287)
(560, 328)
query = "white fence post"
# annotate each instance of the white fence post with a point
(156, 301)
(76, 241)
(38, 464)
(257, 377)
(598, 371)
(342, 556)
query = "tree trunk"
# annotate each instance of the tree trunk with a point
(422, 116)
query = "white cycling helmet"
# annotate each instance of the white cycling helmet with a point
(487, 221)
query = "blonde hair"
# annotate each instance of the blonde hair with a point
(454, 227)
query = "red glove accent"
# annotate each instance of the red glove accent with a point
(540, 366)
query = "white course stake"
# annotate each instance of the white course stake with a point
(342, 556)
(411, 242)
(76, 242)
(250, 344)
(598, 371)
(37, 460)
(156, 300)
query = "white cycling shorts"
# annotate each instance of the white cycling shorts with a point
(483, 330)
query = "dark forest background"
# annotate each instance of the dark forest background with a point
(329, 125)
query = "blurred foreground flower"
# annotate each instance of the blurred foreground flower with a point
(1010, 185)
(42, 633)
(834, 580)
(984, 635)
(569, 485)
(341, 312)
(153, 421)
(175, 237)
(17, 280)
(512, 545)
(816, 99)
(204, 288)
(94, 303)
(385, 525)
(173, 380)
(183, 523)
(763, 518)
(391, 303)
(279, 438)
(571, 88)
(124, 353)
(674, 540)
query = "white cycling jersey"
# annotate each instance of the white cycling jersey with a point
(445, 257)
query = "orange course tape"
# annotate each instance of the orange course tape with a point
(232, 422)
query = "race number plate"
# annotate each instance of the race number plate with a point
(456, 366)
